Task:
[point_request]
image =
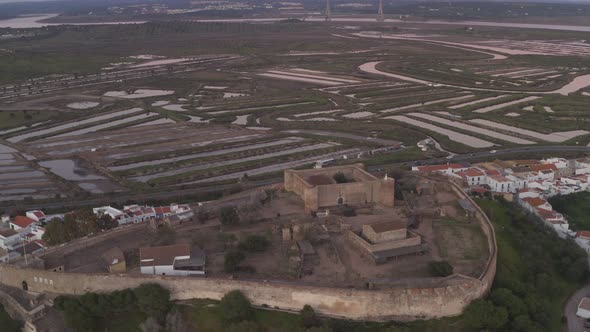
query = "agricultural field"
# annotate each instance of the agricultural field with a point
(138, 108)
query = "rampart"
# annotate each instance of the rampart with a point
(418, 299)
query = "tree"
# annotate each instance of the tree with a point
(105, 222)
(202, 215)
(153, 300)
(228, 215)
(232, 261)
(254, 243)
(440, 269)
(505, 298)
(235, 307)
(340, 178)
(245, 326)
(482, 314)
(523, 323)
(308, 317)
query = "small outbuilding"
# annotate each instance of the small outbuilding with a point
(114, 260)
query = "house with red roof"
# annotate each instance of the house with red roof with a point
(20, 223)
(472, 176)
(533, 203)
(500, 183)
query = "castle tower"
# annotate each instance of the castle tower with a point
(380, 17)
(328, 11)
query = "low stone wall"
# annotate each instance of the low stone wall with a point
(412, 240)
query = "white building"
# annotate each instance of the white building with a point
(36, 215)
(473, 176)
(584, 308)
(9, 238)
(446, 169)
(500, 183)
(115, 214)
(175, 259)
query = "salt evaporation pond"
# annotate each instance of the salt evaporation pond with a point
(233, 94)
(160, 103)
(83, 105)
(175, 107)
(139, 93)
(6, 149)
(241, 120)
(70, 170)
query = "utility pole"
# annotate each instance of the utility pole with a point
(328, 11)
(380, 17)
(25, 252)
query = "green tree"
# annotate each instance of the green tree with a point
(232, 261)
(482, 314)
(504, 297)
(153, 300)
(55, 232)
(340, 178)
(254, 243)
(8, 324)
(245, 326)
(309, 317)
(440, 269)
(523, 323)
(228, 215)
(236, 307)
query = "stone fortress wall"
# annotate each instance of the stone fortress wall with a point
(417, 299)
(365, 188)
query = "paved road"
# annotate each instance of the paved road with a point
(381, 141)
(468, 157)
(575, 323)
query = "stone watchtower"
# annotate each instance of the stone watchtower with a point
(339, 185)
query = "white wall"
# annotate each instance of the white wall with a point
(168, 270)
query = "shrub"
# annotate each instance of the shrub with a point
(340, 178)
(254, 243)
(153, 300)
(245, 326)
(228, 215)
(440, 269)
(308, 317)
(482, 315)
(235, 307)
(232, 261)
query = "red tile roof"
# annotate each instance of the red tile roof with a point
(492, 172)
(547, 213)
(163, 255)
(584, 234)
(473, 172)
(39, 214)
(22, 221)
(480, 190)
(544, 167)
(534, 201)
